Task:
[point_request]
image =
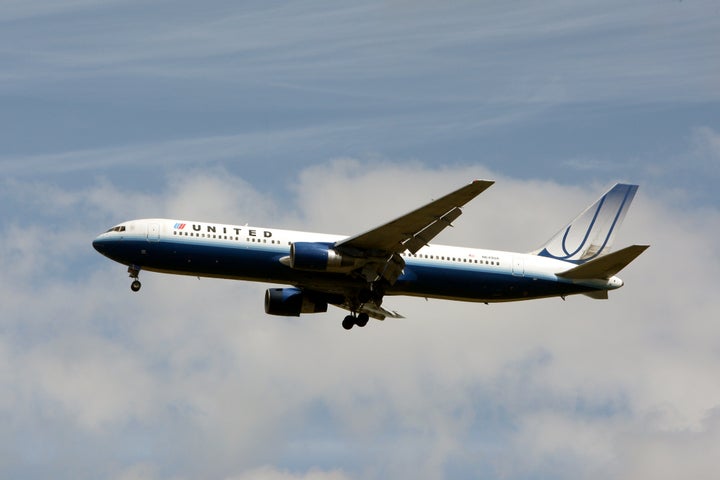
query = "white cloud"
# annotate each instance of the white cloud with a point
(94, 380)
(184, 153)
(271, 473)
(138, 472)
(550, 387)
(190, 379)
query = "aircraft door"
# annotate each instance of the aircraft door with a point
(518, 266)
(153, 232)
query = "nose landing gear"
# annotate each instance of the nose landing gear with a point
(134, 272)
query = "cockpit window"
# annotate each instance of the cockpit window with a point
(120, 228)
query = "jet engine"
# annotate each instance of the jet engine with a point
(319, 257)
(291, 302)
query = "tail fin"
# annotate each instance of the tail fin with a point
(591, 234)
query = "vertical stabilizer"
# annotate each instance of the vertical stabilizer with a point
(591, 234)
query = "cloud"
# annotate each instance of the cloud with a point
(179, 153)
(121, 109)
(539, 55)
(17, 9)
(270, 473)
(706, 151)
(548, 388)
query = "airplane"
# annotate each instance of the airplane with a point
(357, 272)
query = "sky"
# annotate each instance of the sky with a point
(336, 117)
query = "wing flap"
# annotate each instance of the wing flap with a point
(422, 238)
(373, 310)
(379, 313)
(605, 266)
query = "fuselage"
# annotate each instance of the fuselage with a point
(254, 253)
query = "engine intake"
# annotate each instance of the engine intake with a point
(291, 302)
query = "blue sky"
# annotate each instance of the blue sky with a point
(337, 116)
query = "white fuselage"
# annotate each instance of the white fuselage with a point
(256, 253)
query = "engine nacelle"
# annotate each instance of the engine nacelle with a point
(320, 257)
(291, 302)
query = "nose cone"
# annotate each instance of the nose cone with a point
(100, 245)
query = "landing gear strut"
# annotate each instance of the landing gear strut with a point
(360, 319)
(373, 293)
(134, 272)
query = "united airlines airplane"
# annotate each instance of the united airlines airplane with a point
(357, 272)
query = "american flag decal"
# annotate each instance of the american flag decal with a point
(179, 226)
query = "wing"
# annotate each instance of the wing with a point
(381, 246)
(414, 230)
(374, 257)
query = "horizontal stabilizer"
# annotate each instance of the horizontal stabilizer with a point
(605, 266)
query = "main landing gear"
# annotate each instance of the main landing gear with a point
(134, 272)
(360, 319)
(372, 294)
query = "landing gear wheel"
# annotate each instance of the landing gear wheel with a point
(134, 272)
(362, 319)
(348, 322)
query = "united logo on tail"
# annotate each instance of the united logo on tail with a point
(591, 233)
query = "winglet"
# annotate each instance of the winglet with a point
(605, 266)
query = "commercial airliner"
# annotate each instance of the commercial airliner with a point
(357, 272)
